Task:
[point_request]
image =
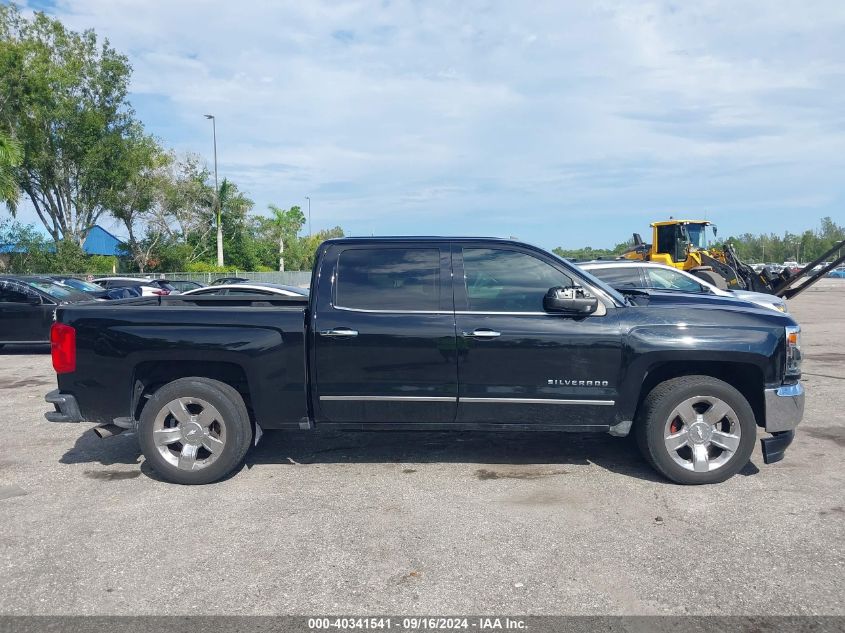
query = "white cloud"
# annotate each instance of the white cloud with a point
(394, 115)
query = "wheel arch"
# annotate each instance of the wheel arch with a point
(151, 376)
(747, 378)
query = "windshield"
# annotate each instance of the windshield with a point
(697, 235)
(79, 284)
(668, 279)
(57, 291)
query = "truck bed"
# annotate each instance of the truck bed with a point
(138, 344)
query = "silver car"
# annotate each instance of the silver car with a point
(622, 273)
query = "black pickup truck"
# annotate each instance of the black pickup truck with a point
(434, 333)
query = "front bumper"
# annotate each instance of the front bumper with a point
(775, 446)
(784, 410)
(784, 407)
(67, 409)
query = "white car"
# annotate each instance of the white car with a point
(148, 287)
(230, 290)
(648, 275)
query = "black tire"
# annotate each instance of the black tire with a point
(653, 419)
(712, 278)
(232, 410)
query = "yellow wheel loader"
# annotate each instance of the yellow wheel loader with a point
(684, 244)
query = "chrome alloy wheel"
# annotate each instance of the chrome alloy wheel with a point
(702, 434)
(189, 433)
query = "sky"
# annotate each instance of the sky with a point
(560, 123)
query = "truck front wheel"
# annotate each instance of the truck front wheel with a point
(195, 430)
(696, 430)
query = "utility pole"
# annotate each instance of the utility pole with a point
(309, 214)
(217, 194)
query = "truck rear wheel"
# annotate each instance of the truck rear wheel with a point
(195, 431)
(696, 430)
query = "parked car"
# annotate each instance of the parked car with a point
(249, 289)
(837, 273)
(163, 284)
(148, 287)
(183, 285)
(649, 275)
(434, 333)
(27, 305)
(98, 292)
(127, 292)
(228, 280)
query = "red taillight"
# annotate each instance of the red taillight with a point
(63, 348)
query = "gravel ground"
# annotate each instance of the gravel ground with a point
(427, 523)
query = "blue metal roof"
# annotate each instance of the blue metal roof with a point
(8, 249)
(101, 242)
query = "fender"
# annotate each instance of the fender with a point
(645, 348)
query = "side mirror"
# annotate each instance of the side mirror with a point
(572, 300)
(34, 300)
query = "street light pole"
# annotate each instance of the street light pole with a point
(217, 193)
(309, 214)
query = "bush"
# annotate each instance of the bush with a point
(102, 264)
(205, 267)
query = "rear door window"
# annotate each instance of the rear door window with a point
(389, 279)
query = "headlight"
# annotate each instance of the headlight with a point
(793, 350)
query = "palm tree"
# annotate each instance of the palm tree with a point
(232, 205)
(286, 223)
(11, 156)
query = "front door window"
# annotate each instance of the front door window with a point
(508, 281)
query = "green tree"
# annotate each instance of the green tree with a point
(804, 247)
(28, 251)
(139, 204)
(588, 252)
(285, 224)
(64, 97)
(11, 155)
(188, 208)
(237, 241)
(306, 247)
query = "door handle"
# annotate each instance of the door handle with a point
(482, 333)
(339, 332)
